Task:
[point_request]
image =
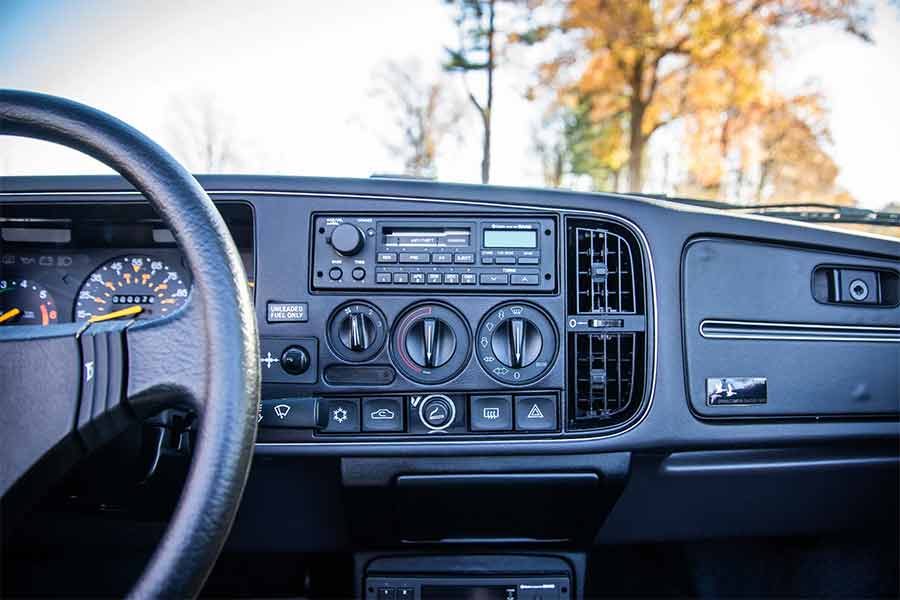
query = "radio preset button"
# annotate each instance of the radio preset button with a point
(382, 277)
(467, 278)
(465, 259)
(494, 279)
(387, 257)
(401, 277)
(442, 258)
(451, 278)
(411, 258)
(523, 279)
(417, 278)
(434, 278)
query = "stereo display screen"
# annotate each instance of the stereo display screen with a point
(506, 238)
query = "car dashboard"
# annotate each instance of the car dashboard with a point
(585, 369)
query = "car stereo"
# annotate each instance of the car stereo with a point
(488, 254)
(468, 588)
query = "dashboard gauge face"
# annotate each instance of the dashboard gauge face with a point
(127, 282)
(25, 302)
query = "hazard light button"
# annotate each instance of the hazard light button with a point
(536, 413)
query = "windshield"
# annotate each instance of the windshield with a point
(748, 103)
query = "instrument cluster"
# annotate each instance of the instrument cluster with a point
(63, 263)
(43, 287)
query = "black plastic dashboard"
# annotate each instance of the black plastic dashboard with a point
(554, 258)
(701, 304)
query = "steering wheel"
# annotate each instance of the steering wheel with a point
(104, 377)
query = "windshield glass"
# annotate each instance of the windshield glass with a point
(749, 103)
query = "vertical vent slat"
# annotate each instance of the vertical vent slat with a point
(604, 374)
(604, 281)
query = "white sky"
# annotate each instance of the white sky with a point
(295, 78)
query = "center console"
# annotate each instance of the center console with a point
(471, 325)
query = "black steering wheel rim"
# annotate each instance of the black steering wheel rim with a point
(220, 295)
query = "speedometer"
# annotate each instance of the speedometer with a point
(139, 286)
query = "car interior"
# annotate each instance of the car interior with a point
(399, 388)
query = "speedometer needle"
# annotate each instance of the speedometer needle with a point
(11, 313)
(125, 312)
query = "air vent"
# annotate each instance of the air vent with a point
(604, 367)
(607, 341)
(605, 274)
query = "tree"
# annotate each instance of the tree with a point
(576, 147)
(477, 52)
(656, 62)
(202, 135)
(424, 114)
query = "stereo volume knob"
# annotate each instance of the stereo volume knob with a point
(347, 239)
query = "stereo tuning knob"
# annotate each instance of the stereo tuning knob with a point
(347, 239)
(516, 343)
(357, 331)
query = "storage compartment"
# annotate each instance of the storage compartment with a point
(760, 343)
(465, 501)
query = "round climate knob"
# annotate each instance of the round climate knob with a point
(430, 343)
(357, 331)
(347, 239)
(516, 343)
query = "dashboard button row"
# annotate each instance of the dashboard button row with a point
(423, 258)
(430, 414)
(457, 278)
(431, 278)
(510, 260)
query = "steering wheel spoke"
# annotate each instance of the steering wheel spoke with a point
(167, 361)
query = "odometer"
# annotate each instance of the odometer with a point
(25, 302)
(132, 281)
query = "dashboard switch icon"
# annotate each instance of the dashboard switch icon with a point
(491, 413)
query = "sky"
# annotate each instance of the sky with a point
(293, 79)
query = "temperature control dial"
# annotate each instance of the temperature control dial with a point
(357, 331)
(516, 343)
(430, 343)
